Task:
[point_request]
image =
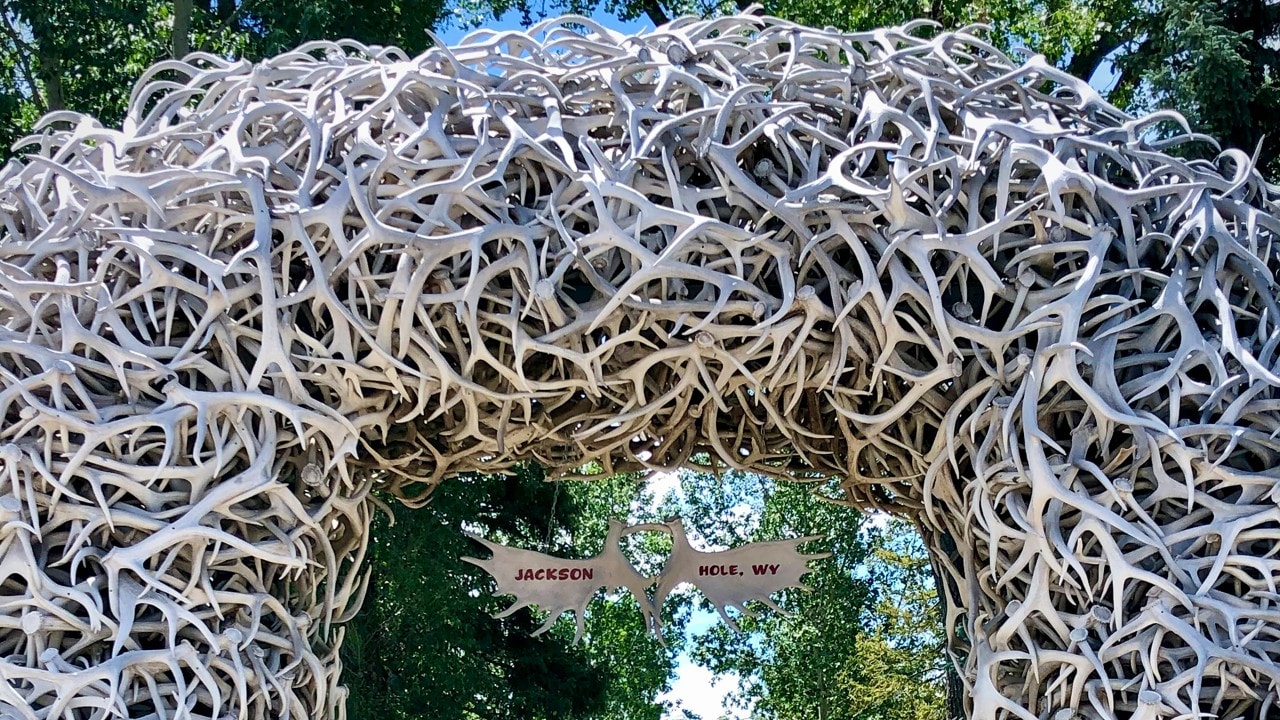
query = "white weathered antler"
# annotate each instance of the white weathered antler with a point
(974, 290)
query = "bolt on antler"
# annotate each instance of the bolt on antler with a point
(974, 290)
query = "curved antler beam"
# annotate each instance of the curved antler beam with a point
(980, 294)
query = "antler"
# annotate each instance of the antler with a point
(972, 289)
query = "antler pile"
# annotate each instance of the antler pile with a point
(981, 294)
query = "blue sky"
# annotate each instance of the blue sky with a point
(696, 688)
(511, 21)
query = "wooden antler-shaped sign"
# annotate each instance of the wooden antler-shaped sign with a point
(557, 585)
(728, 578)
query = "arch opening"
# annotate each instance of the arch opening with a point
(870, 605)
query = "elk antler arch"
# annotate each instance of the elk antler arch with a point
(973, 289)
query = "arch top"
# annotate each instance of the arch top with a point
(737, 239)
(970, 288)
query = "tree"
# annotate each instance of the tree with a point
(85, 55)
(267, 27)
(865, 644)
(1216, 61)
(425, 644)
(73, 54)
(640, 666)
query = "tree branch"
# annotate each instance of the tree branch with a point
(24, 65)
(653, 9)
(1085, 63)
(181, 28)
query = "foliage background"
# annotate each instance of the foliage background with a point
(865, 644)
(1216, 61)
(425, 645)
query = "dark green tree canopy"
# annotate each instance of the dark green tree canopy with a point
(864, 644)
(85, 55)
(1215, 61)
(425, 644)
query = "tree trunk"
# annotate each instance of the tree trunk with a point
(653, 9)
(51, 73)
(181, 28)
(23, 57)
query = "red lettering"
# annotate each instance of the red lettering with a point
(718, 570)
(529, 574)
